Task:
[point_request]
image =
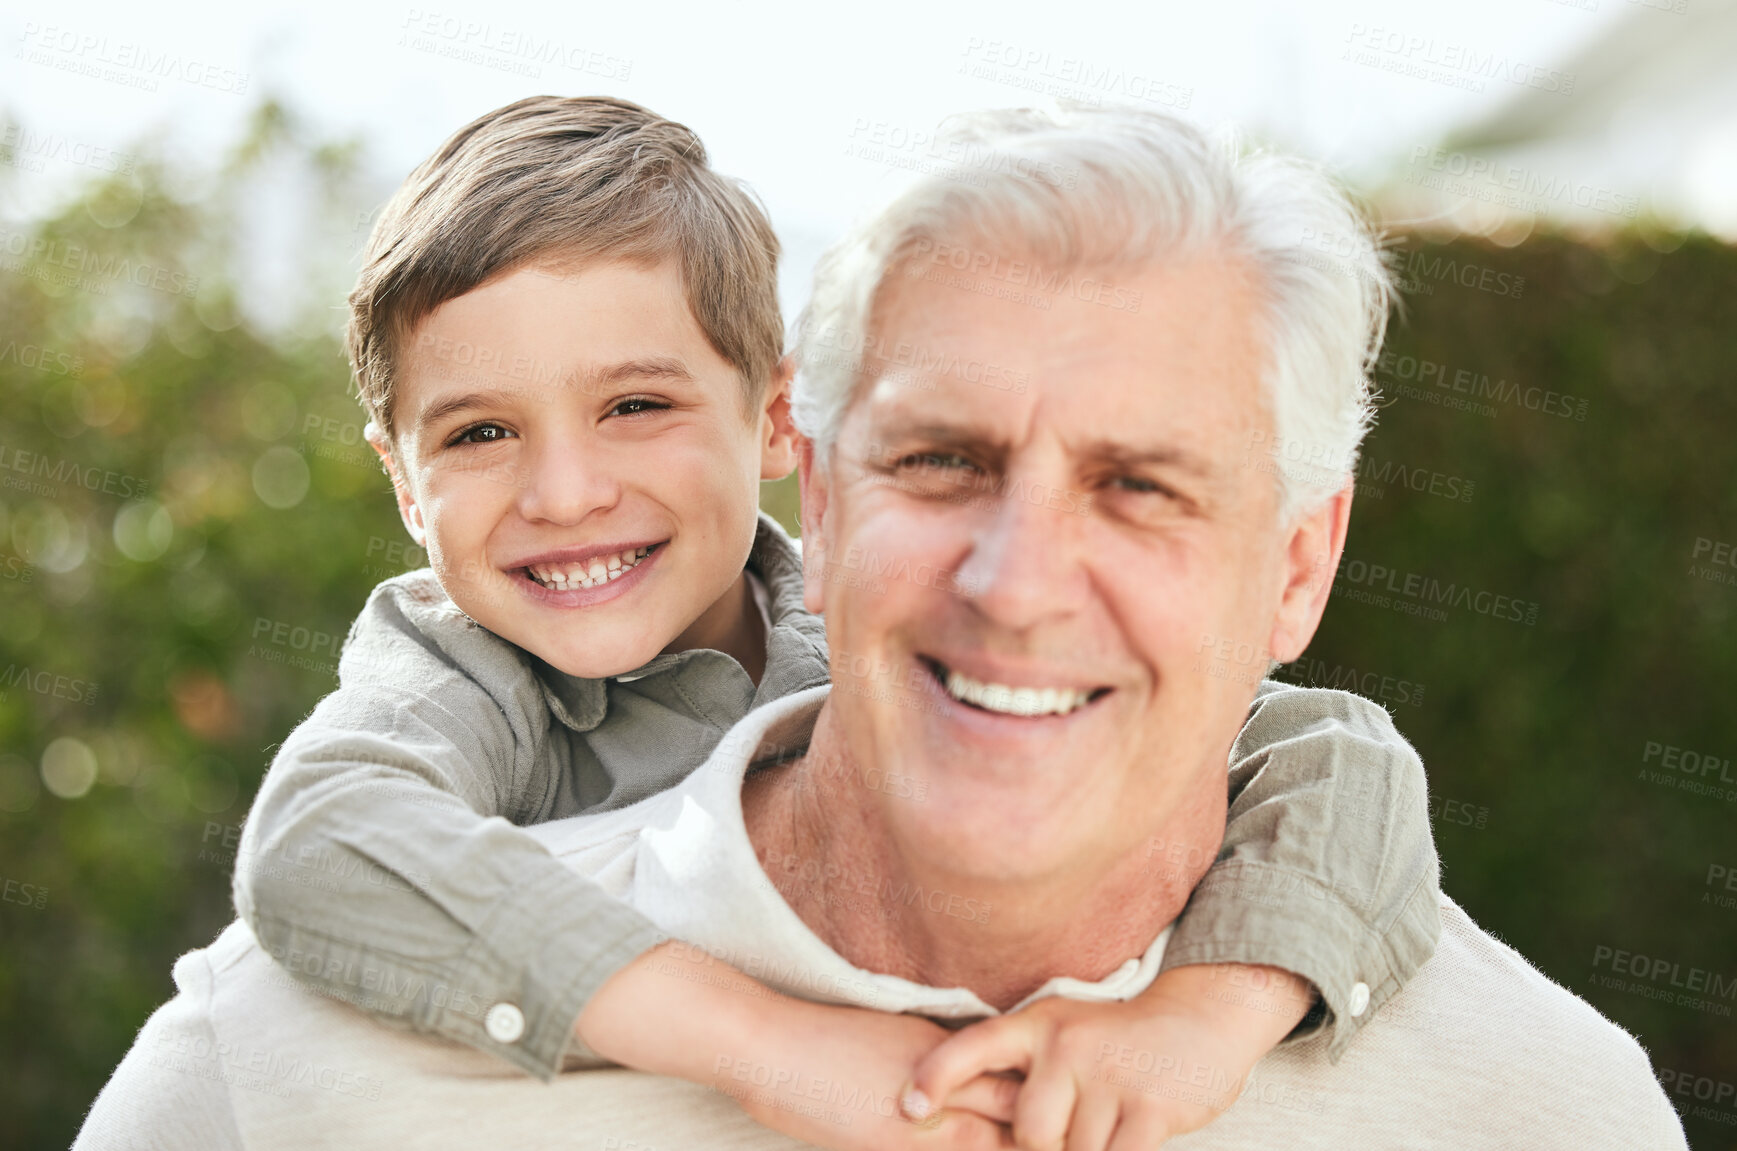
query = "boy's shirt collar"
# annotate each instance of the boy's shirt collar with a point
(796, 656)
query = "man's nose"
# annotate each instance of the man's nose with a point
(1025, 564)
(561, 484)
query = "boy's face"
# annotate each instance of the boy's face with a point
(573, 454)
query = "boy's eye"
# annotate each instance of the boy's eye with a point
(634, 405)
(480, 434)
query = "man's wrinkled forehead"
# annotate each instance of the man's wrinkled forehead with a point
(1158, 388)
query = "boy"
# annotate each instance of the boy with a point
(566, 335)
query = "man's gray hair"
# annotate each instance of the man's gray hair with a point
(1103, 188)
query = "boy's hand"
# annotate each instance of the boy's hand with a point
(831, 1076)
(1124, 1075)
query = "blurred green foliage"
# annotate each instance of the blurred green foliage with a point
(188, 521)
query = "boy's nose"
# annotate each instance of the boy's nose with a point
(563, 486)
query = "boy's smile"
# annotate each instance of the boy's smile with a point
(575, 456)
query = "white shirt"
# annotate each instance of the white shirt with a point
(1479, 1050)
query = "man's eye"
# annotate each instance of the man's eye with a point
(935, 460)
(634, 405)
(481, 434)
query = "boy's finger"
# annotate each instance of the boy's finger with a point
(991, 1096)
(1140, 1131)
(999, 1044)
(1045, 1109)
(1094, 1121)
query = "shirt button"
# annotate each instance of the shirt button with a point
(1356, 1005)
(505, 1023)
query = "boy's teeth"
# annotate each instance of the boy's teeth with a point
(1015, 700)
(593, 573)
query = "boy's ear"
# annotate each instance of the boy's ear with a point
(408, 511)
(1312, 551)
(816, 486)
(778, 434)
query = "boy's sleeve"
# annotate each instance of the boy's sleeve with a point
(1328, 868)
(379, 864)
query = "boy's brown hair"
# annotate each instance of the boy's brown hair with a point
(562, 180)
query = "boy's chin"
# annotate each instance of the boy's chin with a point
(586, 665)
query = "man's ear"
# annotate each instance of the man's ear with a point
(1312, 551)
(778, 434)
(814, 478)
(408, 511)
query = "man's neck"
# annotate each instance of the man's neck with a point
(830, 855)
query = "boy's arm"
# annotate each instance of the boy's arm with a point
(373, 866)
(1328, 867)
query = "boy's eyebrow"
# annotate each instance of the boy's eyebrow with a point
(587, 379)
(593, 379)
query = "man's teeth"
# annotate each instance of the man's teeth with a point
(594, 572)
(1015, 700)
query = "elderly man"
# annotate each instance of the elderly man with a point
(1113, 559)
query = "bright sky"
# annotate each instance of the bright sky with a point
(814, 105)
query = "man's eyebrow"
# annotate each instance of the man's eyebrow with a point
(1120, 454)
(944, 435)
(1115, 453)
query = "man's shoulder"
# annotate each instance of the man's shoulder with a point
(1485, 1018)
(1479, 1049)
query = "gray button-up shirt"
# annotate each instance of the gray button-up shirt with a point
(385, 861)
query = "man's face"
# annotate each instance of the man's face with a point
(573, 454)
(1081, 548)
